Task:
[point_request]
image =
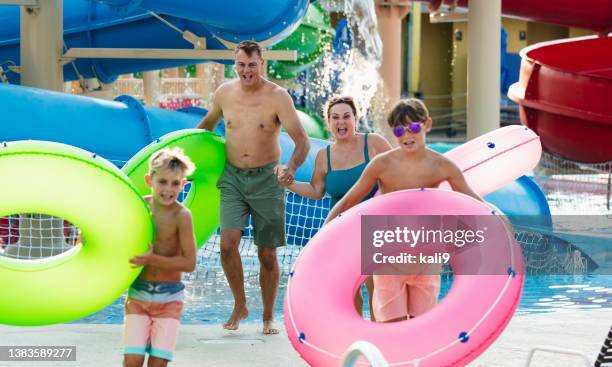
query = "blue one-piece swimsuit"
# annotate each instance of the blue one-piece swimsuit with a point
(339, 182)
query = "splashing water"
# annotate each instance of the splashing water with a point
(360, 78)
(353, 72)
(361, 17)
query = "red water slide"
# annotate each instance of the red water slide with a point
(565, 86)
(565, 94)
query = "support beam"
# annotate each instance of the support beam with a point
(414, 58)
(151, 85)
(41, 45)
(30, 3)
(176, 54)
(390, 15)
(484, 59)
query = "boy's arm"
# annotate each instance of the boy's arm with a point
(186, 261)
(187, 240)
(214, 114)
(361, 188)
(315, 189)
(458, 183)
(457, 180)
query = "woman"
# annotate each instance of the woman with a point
(339, 165)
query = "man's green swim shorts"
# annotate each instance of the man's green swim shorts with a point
(257, 192)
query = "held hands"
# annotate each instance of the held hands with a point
(142, 260)
(284, 174)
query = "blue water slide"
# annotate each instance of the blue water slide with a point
(247, 19)
(118, 129)
(128, 24)
(115, 130)
(524, 202)
(521, 197)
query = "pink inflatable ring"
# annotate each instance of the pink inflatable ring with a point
(320, 318)
(322, 322)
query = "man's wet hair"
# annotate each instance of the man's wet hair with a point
(249, 47)
(173, 159)
(406, 111)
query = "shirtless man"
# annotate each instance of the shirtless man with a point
(253, 182)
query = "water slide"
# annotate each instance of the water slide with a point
(564, 99)
(565, 86)
(564, 91)
(130, 24)
(310, 41)
(118, 129)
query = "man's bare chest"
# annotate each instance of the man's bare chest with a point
(241, 110)
(252, 121)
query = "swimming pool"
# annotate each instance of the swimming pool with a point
(209, 300)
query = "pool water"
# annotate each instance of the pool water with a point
(544, 293)
(208, 298)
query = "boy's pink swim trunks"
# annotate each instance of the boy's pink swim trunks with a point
(152, 318)
(396, 296)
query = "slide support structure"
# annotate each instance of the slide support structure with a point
(484, 60)
(41, 45)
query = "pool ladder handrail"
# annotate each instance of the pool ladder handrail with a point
(556, 350)
(366, 349)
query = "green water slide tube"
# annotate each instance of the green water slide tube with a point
(313, 124)
(310, 40)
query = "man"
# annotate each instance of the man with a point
(253, 182)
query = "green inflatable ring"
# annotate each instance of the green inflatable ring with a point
(70, 183)
(207, 151)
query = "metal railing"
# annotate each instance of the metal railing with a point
(364, 349)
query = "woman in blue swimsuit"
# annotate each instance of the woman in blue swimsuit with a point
(339, 165)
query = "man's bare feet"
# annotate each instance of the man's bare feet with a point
(234, 321)
(268, 327)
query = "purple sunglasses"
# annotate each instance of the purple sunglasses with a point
(414, 127)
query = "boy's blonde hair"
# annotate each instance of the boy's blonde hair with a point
(408, 110)
(171, 158)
